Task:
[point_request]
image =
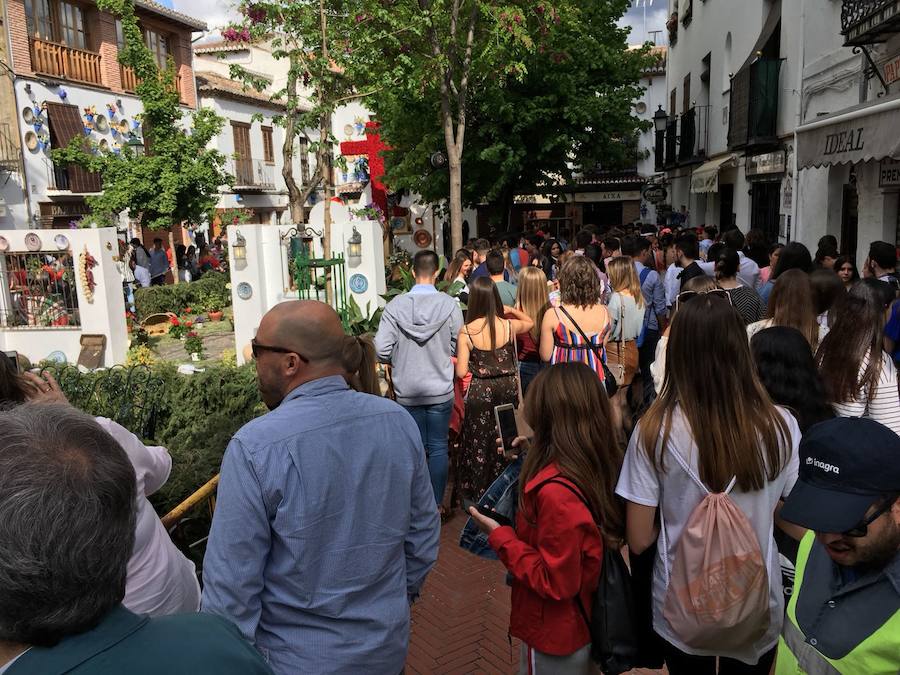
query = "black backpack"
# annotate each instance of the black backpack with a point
(616, 641)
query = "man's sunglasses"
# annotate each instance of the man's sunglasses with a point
(861, 529)
(258, 348)
(687, 296)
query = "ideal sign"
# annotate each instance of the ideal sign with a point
(844, 141)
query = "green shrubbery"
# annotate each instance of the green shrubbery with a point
(196, 416)
(211, 288)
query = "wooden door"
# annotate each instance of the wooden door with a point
(243, 163)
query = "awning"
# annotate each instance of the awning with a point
(867, 132)
(706, 176)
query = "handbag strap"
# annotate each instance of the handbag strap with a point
(515, 345)
(590, 345)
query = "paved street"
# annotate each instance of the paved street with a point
(459, 624)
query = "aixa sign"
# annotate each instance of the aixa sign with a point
(839, 142)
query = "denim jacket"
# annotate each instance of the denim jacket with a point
(503, 497)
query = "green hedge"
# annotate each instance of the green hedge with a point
(195, 419)
(178, 297)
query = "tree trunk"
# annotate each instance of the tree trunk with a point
(456, 219)
(296, 197)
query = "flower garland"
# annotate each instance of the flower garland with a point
(86, 262)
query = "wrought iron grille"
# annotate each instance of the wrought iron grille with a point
(854, 12)
(129, 396)
(39, 290)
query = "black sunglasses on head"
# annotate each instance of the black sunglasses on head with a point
(258, 348)
(861, 529)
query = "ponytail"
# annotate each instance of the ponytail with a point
(358, 358)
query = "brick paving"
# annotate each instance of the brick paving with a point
(459, 624)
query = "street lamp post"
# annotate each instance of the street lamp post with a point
(660, 124)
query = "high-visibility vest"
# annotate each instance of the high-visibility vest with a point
(878, 654)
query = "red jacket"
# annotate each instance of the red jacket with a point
(551, 561)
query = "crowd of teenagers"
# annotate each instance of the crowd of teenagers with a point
(726, 426)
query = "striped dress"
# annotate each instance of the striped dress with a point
(569, 346)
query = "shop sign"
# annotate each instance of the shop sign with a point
(892, 70)
(889, 174)
(624, 196)
(656, 194)
(767, 163)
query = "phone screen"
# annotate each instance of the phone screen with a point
(506, 425)
(14, 358)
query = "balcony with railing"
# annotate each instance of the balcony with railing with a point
(754, 105)
(866, 22)
(253, 174)
(130, 80)
(687, 138)
(64, 62)
(10, 154)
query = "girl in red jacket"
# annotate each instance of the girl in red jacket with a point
(555, 551)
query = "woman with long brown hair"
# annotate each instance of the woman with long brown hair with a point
(792, 304)
(626, 311)
(859, 375)
(568, 512)
(577, 330)
(486, 348)
(532, 298)
(712, 428)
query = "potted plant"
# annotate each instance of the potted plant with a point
(213, 305)
(193, 345)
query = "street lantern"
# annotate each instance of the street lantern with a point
(239, 247)
(660, 120)
(136, 145)
(354, 247)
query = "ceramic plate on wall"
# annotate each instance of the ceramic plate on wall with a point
(100, 124)
(123, 126)
(31, 140)
(104, 145)
(4, 244)
(61, 241)
(244, 290)
(28, 115)
(32, 242)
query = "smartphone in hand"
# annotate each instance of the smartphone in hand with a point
(487, 513)
(507, 429)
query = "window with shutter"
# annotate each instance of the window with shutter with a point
(268, 146)
(66, 124)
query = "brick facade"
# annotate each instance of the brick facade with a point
(102, 27)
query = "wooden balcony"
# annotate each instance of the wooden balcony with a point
(130, 81)
(65, 63)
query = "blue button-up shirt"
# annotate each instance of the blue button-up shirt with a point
(324, 530)
(654, 292)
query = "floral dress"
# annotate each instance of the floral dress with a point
(493, 383)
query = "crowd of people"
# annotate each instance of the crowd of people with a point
(725, 409)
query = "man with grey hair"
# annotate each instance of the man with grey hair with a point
(326, 524)
(67, 525)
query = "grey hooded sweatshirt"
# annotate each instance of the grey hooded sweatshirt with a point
(417, 336)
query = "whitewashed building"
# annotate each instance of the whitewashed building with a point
(848, 146)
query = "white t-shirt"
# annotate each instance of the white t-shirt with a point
(161, 580)
(677, 494)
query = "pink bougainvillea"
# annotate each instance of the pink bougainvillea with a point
(255, 13)
(232, 34)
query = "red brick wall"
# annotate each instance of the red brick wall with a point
(18, 36)
(103, 30)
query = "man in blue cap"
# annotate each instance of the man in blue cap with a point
(844, 614)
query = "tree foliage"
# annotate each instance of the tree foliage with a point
(309, 36)
(554, 99)
(179, 178)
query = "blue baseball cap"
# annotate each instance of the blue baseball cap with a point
(846, 465)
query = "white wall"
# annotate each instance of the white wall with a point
(104, 315)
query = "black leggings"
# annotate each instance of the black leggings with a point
(680, 663)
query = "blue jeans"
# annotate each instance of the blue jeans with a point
(503, 497)
(528, 370)
(434, 426)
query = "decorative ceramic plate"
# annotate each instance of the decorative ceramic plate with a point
(32, 242)
(640, 107)
(31, 140)
(28, 115)
(104, 145)
(349, 130)
(244, 290)
(422, 238)
(61, 241)
(124, 127)
(100, 123)
(359, 283)
(4, 244)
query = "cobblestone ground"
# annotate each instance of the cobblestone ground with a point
(459, 625)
